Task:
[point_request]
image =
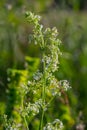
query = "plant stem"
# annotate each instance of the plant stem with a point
(24, 115)
(50, 100)
(43, 95)
(43, 89)
(26, 123)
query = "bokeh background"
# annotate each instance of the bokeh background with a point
(70, 18)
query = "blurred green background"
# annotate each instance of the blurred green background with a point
(70, 17)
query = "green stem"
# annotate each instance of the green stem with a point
(50, 100)
(43, 95)
(43, 89)
(24, 116)
(26, 123)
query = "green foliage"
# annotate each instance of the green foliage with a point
(16, 79)
(31, 65)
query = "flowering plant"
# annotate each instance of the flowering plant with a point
(39, 92)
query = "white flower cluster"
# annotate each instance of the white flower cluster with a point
(32, 18)
(51, 44)
(55, 125)
(9, 124)
(64, 84)
(53, 87)
(37, 76)
(32, 108)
